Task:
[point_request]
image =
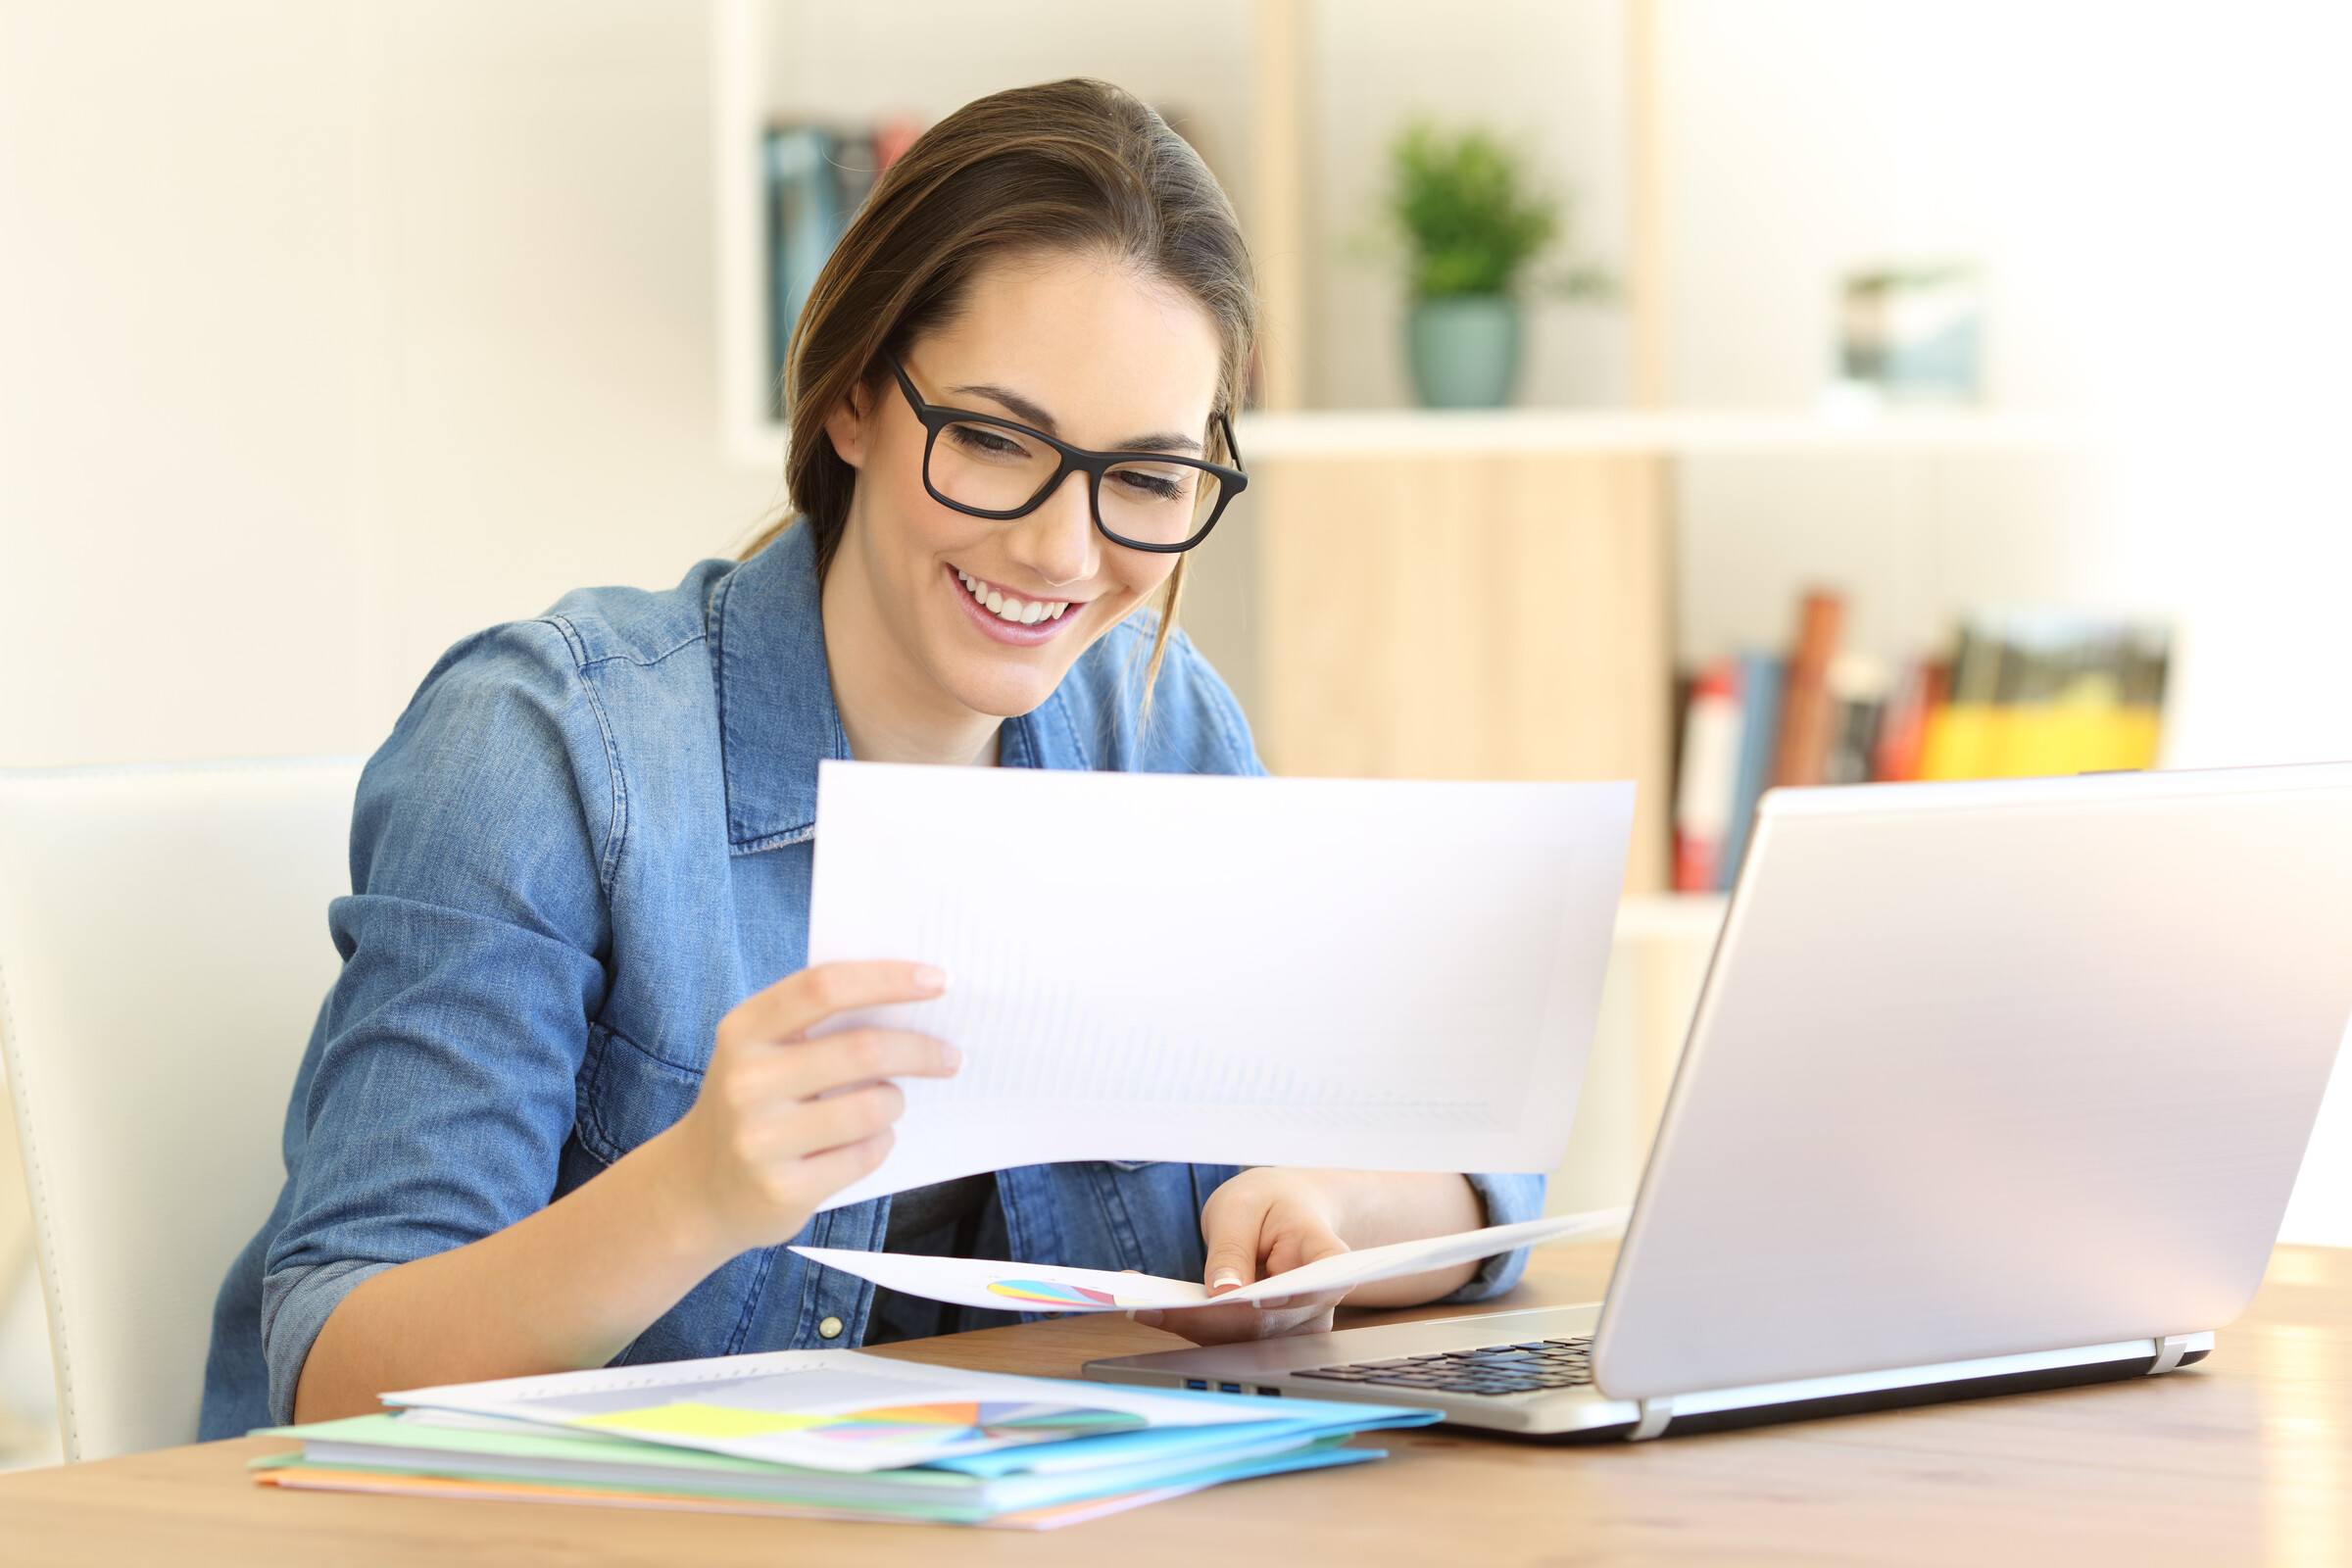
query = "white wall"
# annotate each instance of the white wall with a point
(329, 331)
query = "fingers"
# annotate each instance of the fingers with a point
(803, 1001)
(862, 1057)
(1238, 1322)
(813, 1178)
(770, 1090)
(1233, 1231)
(1300, 1244)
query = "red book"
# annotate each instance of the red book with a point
(1704, 795)
(1903, 737)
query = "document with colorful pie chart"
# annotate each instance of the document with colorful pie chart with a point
(850, 1412)
(1052, 1287)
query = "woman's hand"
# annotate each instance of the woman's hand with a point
(1264, 1221)
(1271, 1219)
(783, 1122)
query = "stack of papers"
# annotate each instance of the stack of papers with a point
(824, 1435)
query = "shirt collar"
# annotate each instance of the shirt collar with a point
(776, 714)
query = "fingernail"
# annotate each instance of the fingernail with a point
(930, 979)
(1226, 1279)
(950, 1055)
(1149, 1317)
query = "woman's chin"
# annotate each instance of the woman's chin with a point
(1005, 688)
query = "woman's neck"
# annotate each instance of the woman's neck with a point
(890, 709)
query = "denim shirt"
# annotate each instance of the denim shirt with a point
(588, 837)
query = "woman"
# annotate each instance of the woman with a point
(539, 1125)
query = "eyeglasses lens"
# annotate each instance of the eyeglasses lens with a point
(991, 469)
(1157, 503)
(986, 466)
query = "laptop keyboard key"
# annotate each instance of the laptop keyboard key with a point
(1493, 1370)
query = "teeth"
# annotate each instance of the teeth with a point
(1007, 608)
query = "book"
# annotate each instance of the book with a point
(1807, 713)
(1858, 687)
(1760, 682)
(2036, 694)
(1903, 737)
(817, 176)
(804, 217)
(1709, 785)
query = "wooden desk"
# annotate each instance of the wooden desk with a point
(2244, 1459)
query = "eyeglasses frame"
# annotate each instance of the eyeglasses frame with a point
(935, 418)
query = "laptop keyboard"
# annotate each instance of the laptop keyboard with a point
(1522, 1368)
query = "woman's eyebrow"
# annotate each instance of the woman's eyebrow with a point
(1021, 406)
(1030, 413)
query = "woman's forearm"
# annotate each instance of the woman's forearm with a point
(781, 1123)
(570, 1287)
(1376, 1207)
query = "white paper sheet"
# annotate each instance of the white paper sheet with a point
(1048, 1288)
(1371, 974)
(839, 1410)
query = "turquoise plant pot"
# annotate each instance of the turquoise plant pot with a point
(1464, 350)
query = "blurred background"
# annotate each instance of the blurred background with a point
(1710, 392)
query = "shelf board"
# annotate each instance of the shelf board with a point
(1346, 432)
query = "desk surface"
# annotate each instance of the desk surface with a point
(2246, 1458)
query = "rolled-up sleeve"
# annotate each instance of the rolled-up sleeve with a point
(443, 1087)
(1508, 1199)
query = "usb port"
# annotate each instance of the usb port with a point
(1196, 1383)
(1229, 1388)
(1272, 1393)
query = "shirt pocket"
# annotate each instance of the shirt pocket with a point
(628, 1094)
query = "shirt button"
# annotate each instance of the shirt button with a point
(829, 1329)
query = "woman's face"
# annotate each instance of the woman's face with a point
(1082, 348)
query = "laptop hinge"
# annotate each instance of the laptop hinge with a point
(1655, 1413)
(2168, 1351)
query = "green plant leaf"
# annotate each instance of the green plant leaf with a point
(1468, 212)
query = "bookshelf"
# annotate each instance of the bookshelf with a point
(1406, 592)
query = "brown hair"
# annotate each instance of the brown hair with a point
(1075, 164)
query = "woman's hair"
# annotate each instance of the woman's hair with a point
(1067, 166)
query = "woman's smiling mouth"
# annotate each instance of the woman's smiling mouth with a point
(1010, 617)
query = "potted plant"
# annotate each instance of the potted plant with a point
(1472, 223)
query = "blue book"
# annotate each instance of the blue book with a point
(804, 217)
(1761, 678)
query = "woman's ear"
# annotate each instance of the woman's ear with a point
(850, 428)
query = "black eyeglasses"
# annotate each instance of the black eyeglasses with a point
(992, 467)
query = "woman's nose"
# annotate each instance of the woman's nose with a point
(1057, 540)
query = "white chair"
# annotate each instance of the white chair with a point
(164, 952)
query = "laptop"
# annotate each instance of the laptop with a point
(1991, 1087)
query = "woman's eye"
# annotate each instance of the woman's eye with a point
(979, 441)
(1147, 484)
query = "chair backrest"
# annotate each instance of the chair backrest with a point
(163, 953)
